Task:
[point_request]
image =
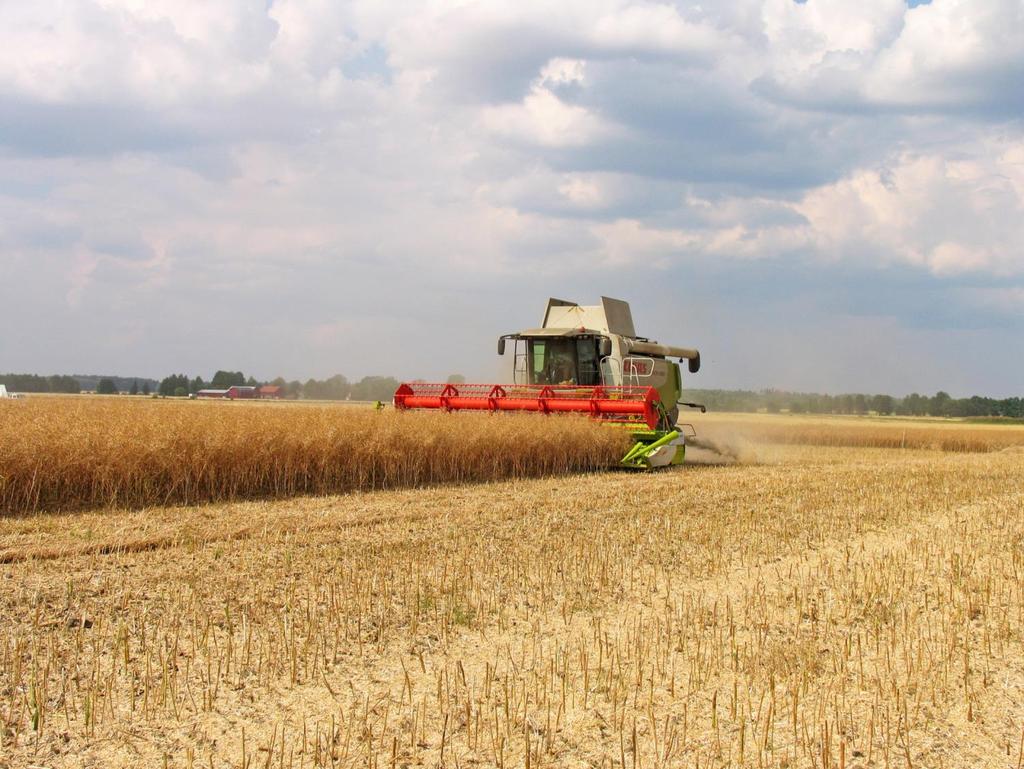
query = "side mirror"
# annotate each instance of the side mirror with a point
(501, 345)
(694, 364)
(605, 347)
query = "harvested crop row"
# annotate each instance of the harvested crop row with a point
(74, 454)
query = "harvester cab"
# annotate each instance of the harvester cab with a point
(594, 346)
(584, 359)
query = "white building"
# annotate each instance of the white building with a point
(5, 394)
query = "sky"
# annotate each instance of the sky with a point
(820, 196)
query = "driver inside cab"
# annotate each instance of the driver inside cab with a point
(559, 370)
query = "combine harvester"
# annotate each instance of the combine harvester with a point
(585, 360)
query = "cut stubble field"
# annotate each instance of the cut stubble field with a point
(781, 605)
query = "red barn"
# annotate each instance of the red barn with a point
(241, 392)
(274, 392)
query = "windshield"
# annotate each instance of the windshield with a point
(564, 361)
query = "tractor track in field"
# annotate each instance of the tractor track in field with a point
(165, 528)
(192, 538)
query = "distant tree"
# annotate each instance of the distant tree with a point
(282, 383)
(180, 392)
(456, 379)
(222, 380)
(106, 387)
(134, 388)
(293, 389)
(339, 387)
(63, 384)
(913, 405)
(882, 404)
(970, 407)
(335, 388)
(251, 382)
(1012, 407)
(145, 388)
(374, 388)
(170, 385)
(196, 385)
(939, 405)
(25, 383)
(774, 401)
(33, 383)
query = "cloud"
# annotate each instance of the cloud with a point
(324, 184)
(951, 56)
(543, 118)
(947, 215)
(491, 52)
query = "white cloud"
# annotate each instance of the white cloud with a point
(946, 215)
(158, 53)
(946, 55)
(545, 119)
(652, 27)
(205, 160)
(582, 192)
(803, 34)
(542, 118)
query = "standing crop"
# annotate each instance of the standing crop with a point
(60, 454)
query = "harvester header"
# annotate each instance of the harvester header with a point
(584, 360)
(623, 405)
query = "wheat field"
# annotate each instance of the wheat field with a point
(781, 606)
(868, 432)
(77, 453)
(80, 453)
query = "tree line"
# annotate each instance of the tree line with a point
(337, 387)
(939, 405)
(372, 388)
(34, 383)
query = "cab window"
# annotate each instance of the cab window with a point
(564, 361)
(589, 365)
(537, 360)
(553, 361)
